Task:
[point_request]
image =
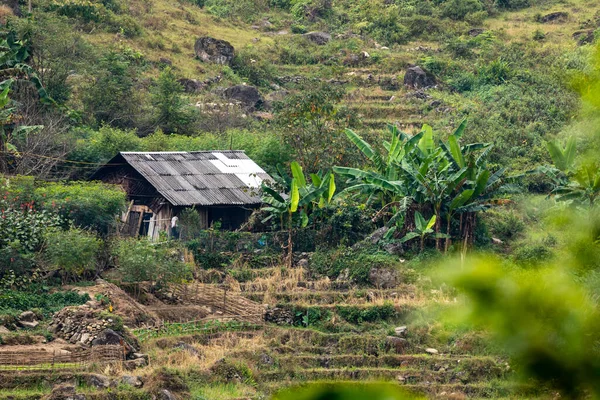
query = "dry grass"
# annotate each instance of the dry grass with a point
(5, 13)
(208, 354)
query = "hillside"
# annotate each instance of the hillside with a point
(429, 228)
(491, 64)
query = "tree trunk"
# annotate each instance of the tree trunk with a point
(290, 255)
(438, 228)
(447, 244)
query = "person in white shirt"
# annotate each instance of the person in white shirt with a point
(175, 227)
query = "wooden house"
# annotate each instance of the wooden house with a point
(221, 185)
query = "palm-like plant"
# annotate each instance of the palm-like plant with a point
(578, 184)
(299, 198)
(441, 177)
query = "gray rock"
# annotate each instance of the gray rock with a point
(400, 331)
(431, 351)
(394, 248)
(417, 78)
(399, 345)
(266, 359)
(28, 316)
(191, 85)
(302, 263)
(85, 338)
(248, 96)
(319, 38)
(110, 337)
(134, 381)
(4, 330)
(65, 391)
(164, 394)
(130, 365)
(187, 347)
(476, 32)
(214, 50)
(29, 325)
(97, 381)
(559, 16)
(383, 278)
(584, 37)
(378, 235)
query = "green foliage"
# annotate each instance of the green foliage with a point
(358, 263)
(254, 67)
(172, 113)
(90, 205)
(512, 4)
(17, 301)
(311, 126)
(111, 97)
(73, 252)
(359, 315)
(141, 261)
(345, 391)
(460, 9)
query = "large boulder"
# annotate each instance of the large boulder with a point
(191, 85)
(249, 96)
(417, 78)
(319, 38)
(110, 337)
(384, 278)
(559, 16)
(214, 50)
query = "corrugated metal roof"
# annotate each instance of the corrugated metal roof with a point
(201, 177)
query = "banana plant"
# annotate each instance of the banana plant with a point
(422, 229)
(298, 199)
(584, 187)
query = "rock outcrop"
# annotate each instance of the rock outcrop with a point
(417, 78)
(248, 96)
(559, 16)
(320, 38)
(213, 50)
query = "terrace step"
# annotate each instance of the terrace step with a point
(480, 390)
(336, 296)
(401, 375)
(419, 361)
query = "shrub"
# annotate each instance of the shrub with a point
(48, 303)
(358, 315)
(141, 260)
(504, 224)
(90, 205)
(532, 254)
(257, 69)
(73, 252)
(459, 9)
(358, 263)
(512, 4)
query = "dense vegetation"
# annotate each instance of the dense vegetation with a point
(379, 178)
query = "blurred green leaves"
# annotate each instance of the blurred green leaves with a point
(346, 391)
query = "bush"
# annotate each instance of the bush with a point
(73, 252)
(341, 224)
(358, 263)
(141, 261)
(90, 205)
(358, 315)
(459, 9)
(255, 68)
(512, 4)
(48, 303)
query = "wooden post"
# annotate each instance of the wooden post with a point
(127, 215)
